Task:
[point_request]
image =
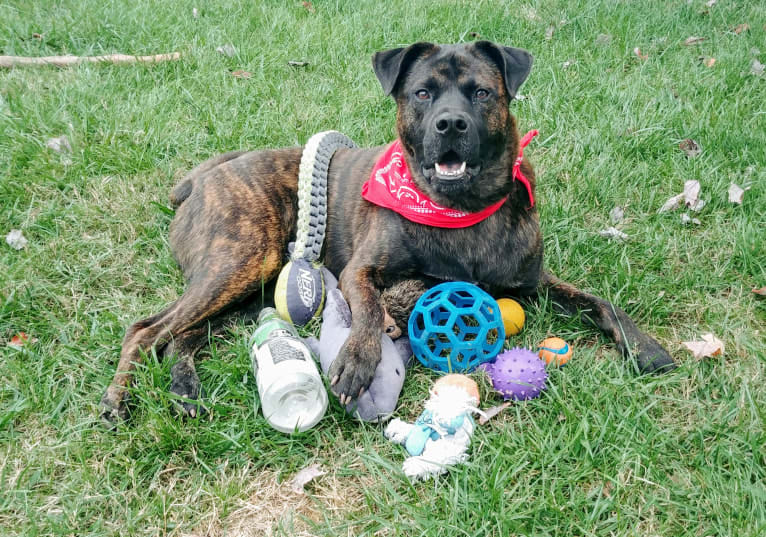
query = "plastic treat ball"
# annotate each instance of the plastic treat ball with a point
(517, 374)
(554, 350)
(455, 326)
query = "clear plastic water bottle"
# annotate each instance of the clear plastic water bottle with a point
(293, 397)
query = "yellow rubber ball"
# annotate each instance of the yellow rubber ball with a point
(554, 350)
(513, 316)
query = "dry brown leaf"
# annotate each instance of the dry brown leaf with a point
(37, 36)
(241, 74)
(761, 291)
(690, 147)
(549, 32)
(736, 193)
(709, 346)
(303, 477)
(709, 62)
(744, 27)
(637, 52)
(308, 6)
(491, 412)
(689, 197)
(616, 215)
(694, 40)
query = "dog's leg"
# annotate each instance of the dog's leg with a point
(184, 380)
(352, 371)
(614, 322)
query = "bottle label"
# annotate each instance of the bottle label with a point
(281, 350)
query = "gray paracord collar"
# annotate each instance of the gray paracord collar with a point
(312, 192)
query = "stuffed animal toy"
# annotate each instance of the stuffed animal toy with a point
(441, 435)
(379, 400)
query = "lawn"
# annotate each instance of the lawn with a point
(604, 451)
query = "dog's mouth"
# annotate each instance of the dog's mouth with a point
(450, 168)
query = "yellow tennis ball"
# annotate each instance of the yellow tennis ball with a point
(554, 349)
(513, 316)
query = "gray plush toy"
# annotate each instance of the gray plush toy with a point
(379, 400)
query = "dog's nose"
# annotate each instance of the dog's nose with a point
(451, 122)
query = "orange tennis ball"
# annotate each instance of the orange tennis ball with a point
(554, 349)
(513, 316)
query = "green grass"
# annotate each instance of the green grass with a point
(603, 452)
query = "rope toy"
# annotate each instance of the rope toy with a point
(300, 292)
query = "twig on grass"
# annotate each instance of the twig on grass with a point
(67, 61)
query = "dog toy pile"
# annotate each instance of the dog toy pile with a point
(440, 437)
(455, 326)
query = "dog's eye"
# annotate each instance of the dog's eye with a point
(482, 94)
(422, 94)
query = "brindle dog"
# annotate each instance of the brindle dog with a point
(236, 214)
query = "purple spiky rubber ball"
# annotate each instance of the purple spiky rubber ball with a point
(517, 374)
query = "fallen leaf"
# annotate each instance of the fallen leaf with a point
(617, 214)
(303, 477)
(637, 52)
(37, 36)
(709, 62)
(567, 64)
(294, 63)
(690, 147)
(744, 27)
(613, 233)
(689, 197)
(761, 291)
(195, 13)
(16, 239)
(308, 6)
(549, 32)
(736, 193)
(757, 68)
(59, 144)
(227, 50)
(19, 340)
(490, 413)
(709, 346)
(694, 40)
(241, 74)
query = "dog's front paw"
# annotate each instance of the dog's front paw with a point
(354, 368)
(652, 357)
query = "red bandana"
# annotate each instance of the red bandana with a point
(391, 186)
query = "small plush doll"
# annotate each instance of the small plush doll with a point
(441, 435)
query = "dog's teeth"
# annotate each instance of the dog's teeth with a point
(454, 173)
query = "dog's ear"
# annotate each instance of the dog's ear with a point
(514, 63)
(391, 65)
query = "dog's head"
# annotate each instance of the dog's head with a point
(453, 118)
